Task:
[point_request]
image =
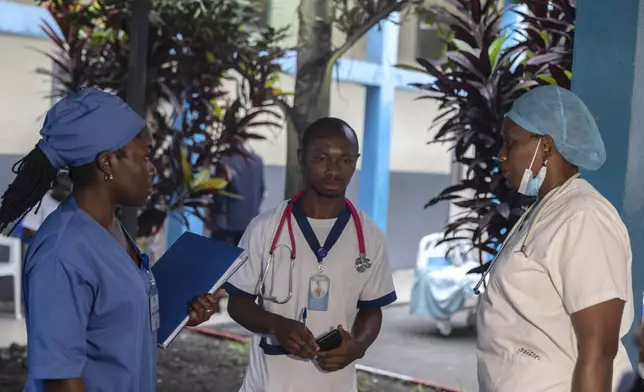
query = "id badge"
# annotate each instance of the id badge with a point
(319, 286)
(155, 317)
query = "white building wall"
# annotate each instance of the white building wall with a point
(412, 118)
(23, 95)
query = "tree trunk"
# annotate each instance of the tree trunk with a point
(312, 83)
(137, 66)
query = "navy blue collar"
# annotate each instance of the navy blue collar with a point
(321, 252)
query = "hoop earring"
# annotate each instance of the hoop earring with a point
(109, 177)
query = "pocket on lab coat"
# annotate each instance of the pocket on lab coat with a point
(521, 372)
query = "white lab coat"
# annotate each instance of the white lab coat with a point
(578, 255)
(349, 291)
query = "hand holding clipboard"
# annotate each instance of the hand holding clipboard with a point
(193, 265)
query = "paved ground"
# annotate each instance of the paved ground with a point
(11, 330)
(412, 346)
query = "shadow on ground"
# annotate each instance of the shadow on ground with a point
(194, 363)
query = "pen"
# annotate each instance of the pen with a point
(303, 322)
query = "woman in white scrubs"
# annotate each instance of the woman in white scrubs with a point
(559, 296)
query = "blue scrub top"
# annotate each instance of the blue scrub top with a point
(87, 308)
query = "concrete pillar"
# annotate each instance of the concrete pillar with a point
(382, 49)
(608, 74)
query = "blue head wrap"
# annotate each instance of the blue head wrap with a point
(85, 124)
(554, 111)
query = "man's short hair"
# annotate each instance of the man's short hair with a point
(325, 127)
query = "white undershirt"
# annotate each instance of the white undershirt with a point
(33, 219)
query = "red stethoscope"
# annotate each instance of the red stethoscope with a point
(362, 263)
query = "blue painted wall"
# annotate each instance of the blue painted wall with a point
(608, 74)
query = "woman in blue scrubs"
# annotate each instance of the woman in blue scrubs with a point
(91, 317)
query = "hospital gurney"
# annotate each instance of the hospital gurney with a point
(442, 286)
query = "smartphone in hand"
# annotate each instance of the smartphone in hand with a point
(330, 340)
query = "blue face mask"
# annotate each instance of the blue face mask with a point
(530, 185)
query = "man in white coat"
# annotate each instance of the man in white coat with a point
(341, 284)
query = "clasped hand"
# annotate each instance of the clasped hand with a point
(299, 341)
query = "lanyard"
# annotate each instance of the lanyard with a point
(145, 263)
(321, 252)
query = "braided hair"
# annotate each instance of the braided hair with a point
(35, 176)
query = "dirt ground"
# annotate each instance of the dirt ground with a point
(194, 363)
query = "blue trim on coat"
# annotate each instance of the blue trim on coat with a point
(378, 302)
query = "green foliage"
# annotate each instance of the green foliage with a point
(484, 74)
(197, 50)
(548, 40)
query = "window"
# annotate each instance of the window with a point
(433, 26)
(429, 41)
(263, 8)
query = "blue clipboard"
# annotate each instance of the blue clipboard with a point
(193, 265)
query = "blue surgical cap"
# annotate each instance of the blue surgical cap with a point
(85, 124)
(554, 111)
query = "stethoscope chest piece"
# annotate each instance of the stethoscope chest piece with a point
(363, 263)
